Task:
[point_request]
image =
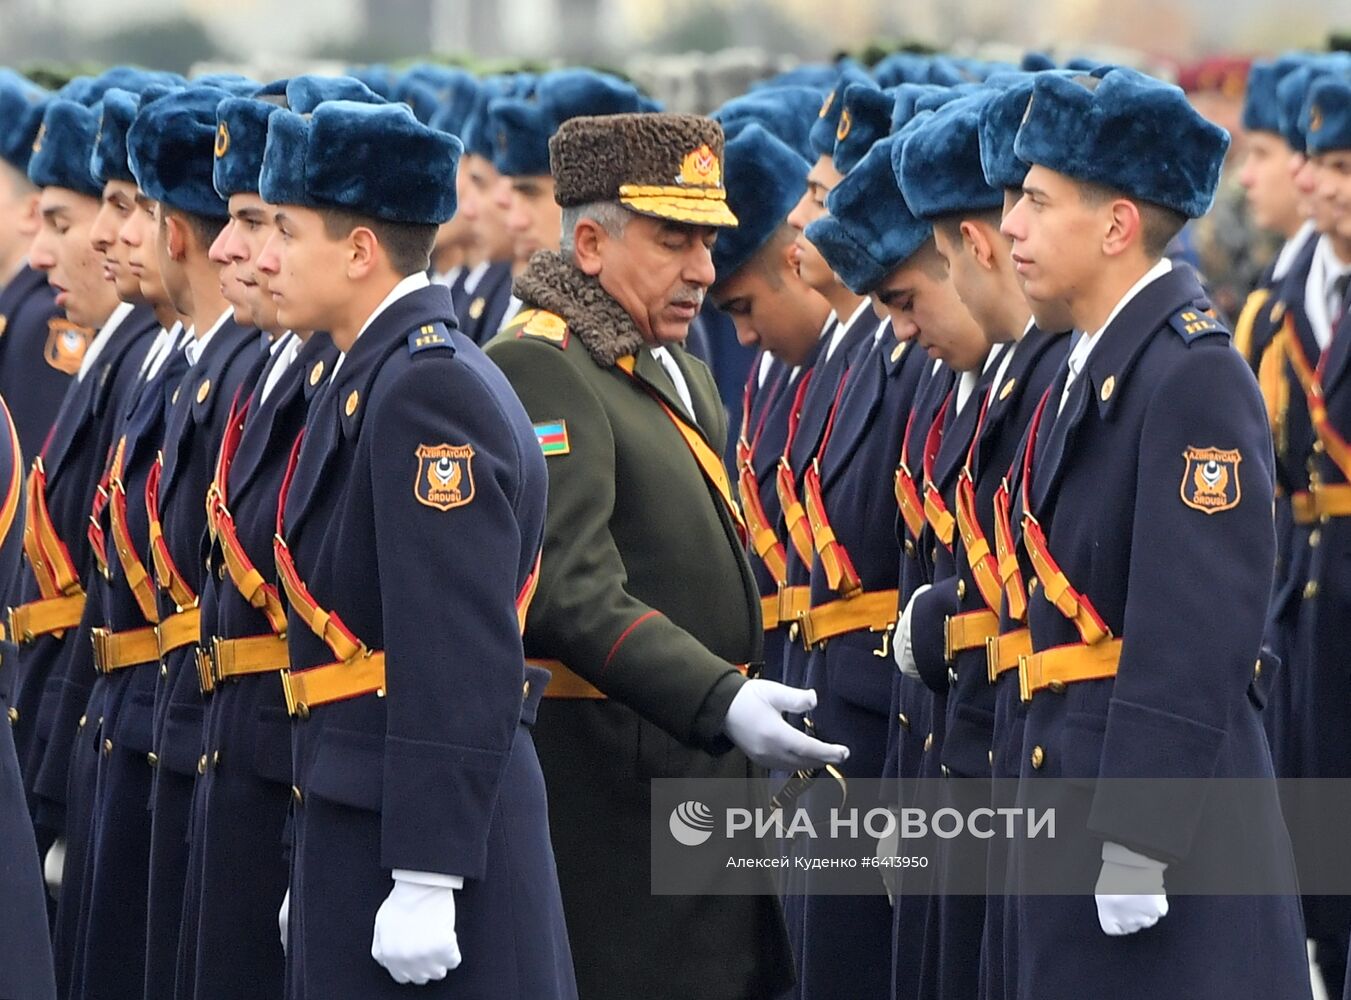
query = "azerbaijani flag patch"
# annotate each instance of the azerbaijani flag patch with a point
(553, 437)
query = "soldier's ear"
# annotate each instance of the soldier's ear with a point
(588, 239)
(977, 243)
(29, 219)
(363, 251)
(1124, 227)
(174, 232)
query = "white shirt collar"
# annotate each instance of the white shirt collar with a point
(406, 286)
(766, 361)
(1290, 250)
(197, 347)
(285, 350)
(842, 328)
(1324, 271)
(95, 347)
(1086, 343)
(475, 275)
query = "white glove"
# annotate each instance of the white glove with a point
(901, 646)
(755, 723)
(415, 927)
(284, 919)
(1129, 892)
(54, 866)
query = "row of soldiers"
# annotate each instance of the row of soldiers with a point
(1002, 506)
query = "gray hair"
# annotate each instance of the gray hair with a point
(609, 215)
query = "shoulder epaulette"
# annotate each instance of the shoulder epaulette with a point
(1192, 323)
(428, 337)
(538, 324)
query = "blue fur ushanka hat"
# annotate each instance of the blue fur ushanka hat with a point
(1261, 109)
(22, 104)
(241, 137)
(938, 166)
(305, 93)
(1292, 93)
(865, 116)
(1000, 117)
(171, 149)
(1128, 132)
(870, 230)
(764, 180)
(1327, 115)
(787, 113)
(375, 160)
(828, 115)
(522, 127)
(116, 112)
(63, 147)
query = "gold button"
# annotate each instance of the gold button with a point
(107, 747)
(13, 714)
(944, 769)
(1108, 387)
(1038, 757)
(1008, 388)
(1311, 589)
(1318, 446)
(1257, 669)
(215, 759)
(203, 391)
(1057, 687)
(173, 400)
(1032, 585)
(201, 764)
(1315, 537)
(83, 720)
(928, 742)
(525, 690)
(961, 590)
(295, 794)
(164, 670)
(910, 548)
(352, 402)
(316, 373)
(952, 676)
(933, 553)
(793, 632)
(220, 572)
(990, 755)
(904, 720)
(152, 759)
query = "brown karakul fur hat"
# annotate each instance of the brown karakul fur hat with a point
(665, 165)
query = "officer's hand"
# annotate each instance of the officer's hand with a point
(755, 724)
(1129, 893)
(415, 928)
(284, 919)
(903, 648)
(54, 866)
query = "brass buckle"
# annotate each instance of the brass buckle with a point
(948, 653)
(99, 637)
(992, 658)
(217, 657)
(1024, 682)
(786, 612)
(295, 708)
(12, 619)
(807, 631)
(206, 679)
